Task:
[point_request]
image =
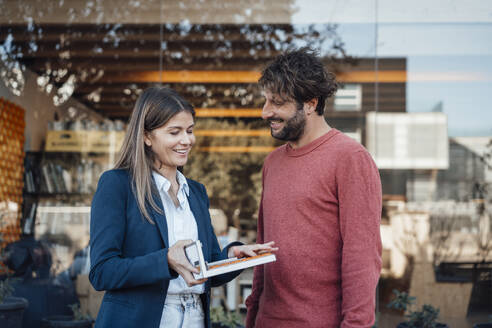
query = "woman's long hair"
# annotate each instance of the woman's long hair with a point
(154, 108)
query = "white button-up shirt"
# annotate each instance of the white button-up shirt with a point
(181, 224)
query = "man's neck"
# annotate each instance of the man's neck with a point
(314, 129)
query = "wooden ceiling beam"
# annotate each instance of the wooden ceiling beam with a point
(187, 77)
(109, 98)
(237, 149)
(137, 53)
(116, 89)
(110, 65)
(262, 48)
(134, 36)
(221, 112)
(151, 63)
(245, 77)
(92, 32)
(232, 133)
(129, 27)
(200, 112)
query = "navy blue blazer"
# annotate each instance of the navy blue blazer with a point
(129, 254)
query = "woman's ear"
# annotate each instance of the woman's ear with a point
(147, 140)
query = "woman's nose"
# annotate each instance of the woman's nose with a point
(186, 139)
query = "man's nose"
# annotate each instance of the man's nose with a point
(267, 111)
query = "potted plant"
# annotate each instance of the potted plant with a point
(76, 320)
(11, 308)
(484, 324)
(222, 319)
(424, 318)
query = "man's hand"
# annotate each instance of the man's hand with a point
(178, 261)
(251, 250)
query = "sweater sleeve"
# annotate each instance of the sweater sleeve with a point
(253, 300)
(359, 194)
(109, 268)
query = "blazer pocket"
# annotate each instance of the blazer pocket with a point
(119, 301)
(116, 312)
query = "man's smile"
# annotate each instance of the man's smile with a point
(275, 123)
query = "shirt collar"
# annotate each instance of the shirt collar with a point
(183, 183)
(163, 184)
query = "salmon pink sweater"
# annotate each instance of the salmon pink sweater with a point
(321, 204)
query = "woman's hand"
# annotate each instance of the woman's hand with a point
(251, 250)
(177, 260)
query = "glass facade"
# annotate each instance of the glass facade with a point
(414, 86)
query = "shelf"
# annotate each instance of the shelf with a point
(84, 141)
(57, 194)
(50, 154)
(64, 209)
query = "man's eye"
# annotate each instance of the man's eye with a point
(174, 133)
(190, 131)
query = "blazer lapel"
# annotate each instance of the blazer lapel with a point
(197, 211)
(160, 219)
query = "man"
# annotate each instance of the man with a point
(321, 203)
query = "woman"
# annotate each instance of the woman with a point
(143, 213)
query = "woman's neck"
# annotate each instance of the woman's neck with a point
(168, 173)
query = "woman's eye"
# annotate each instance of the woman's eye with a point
(190, 131)
(174, 133)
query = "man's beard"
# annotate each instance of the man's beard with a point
(293, 128)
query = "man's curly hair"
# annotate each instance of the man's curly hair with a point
(299, 75)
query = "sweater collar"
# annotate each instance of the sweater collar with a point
(296, 152)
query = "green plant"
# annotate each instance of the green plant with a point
(228, 319)
(6, 285)
(402, 301)
(6, 289)
(77, 313)
(424, 318)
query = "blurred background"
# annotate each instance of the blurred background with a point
(416, 79)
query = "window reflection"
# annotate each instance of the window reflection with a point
(414, 91)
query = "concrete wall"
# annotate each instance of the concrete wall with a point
(408, 234)
(452, 299)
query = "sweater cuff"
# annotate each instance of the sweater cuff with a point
(252, 311)
(226, 249)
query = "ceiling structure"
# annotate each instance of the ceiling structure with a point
(104, 53)
(214, 66)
